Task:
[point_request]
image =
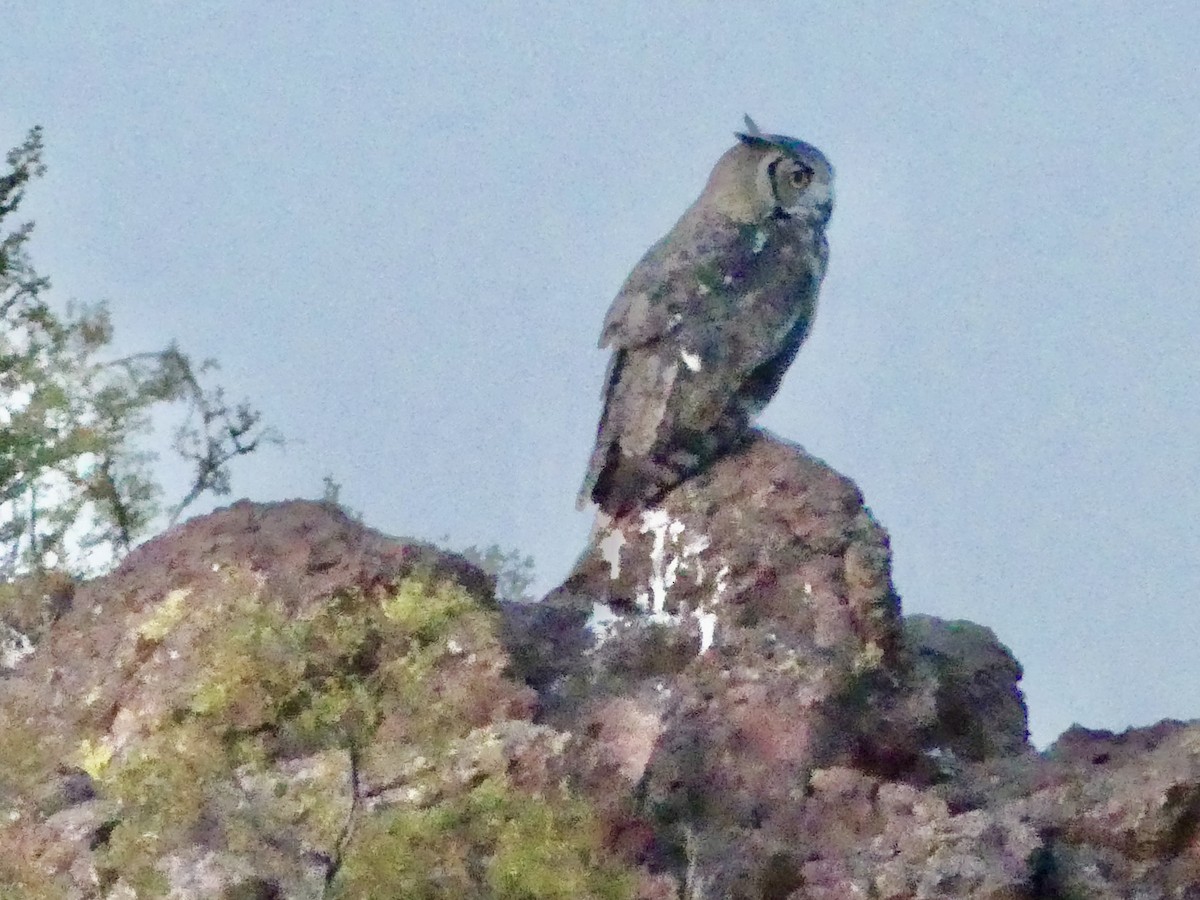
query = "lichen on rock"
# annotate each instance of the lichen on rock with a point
(241, 728)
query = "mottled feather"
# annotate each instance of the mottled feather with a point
(702, 332)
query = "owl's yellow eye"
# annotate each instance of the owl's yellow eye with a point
(801, 177)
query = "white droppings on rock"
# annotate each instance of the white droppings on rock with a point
(659, 523)
(722, 583)
(691, 360)
(671, 556)
(706, 616)
(602, 622)
(708, 628)
(727, 280)
(672, 572)
(610, 551)
(760, 240)
(692, 558)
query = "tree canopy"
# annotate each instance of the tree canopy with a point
(77, 483)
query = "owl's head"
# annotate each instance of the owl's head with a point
(771, 176)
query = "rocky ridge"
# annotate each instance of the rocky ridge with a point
(722, 700)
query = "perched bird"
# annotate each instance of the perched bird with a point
(709, 320)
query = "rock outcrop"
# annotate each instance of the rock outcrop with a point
(749, 708)
(722, 700)
(274, 701)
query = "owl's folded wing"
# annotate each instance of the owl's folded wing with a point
(686, 280)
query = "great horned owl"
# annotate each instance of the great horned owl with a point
(710, 318)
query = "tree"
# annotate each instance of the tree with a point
(512, 569)
(76, 483)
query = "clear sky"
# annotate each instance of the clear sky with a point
(398, 226)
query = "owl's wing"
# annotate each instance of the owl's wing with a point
(680, 281)
(701, 333)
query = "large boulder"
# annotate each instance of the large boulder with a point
(756, 718)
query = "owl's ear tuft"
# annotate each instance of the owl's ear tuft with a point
(752, 135)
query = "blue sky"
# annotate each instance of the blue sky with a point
(398, 227)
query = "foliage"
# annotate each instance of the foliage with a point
(25, 873)
(491, 841)
(512, 570)
(75, 484)
(272, 685)
(26, 743)
(331, 496)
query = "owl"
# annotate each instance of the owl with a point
(708, 321)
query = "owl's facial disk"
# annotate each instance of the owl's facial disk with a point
(796, 186)
(766, 177)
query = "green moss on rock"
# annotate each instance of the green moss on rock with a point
(272, 724)
(491, 841)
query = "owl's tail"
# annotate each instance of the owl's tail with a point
(587, 492)
(618, 481)
(643, 450)
(619, 484)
